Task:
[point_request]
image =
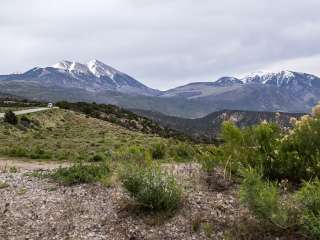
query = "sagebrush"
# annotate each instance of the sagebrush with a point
(80, 173)
(151, 187)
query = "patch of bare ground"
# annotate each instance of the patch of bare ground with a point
(28, 165)
(33, 208)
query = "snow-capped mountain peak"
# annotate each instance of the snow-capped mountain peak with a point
(255, 74)
(276, 78)
(64, 65)
(71, 66)
(94, 76)
(293, 82)
(78, 68)
(99, 69)
(95, 67)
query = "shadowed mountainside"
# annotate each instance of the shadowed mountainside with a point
(208, 127)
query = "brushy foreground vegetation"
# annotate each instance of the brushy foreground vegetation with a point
(151, 187)
(10, 118)
(93, 145)
(279, 171)
(80, 173)
(99, 150)
(277, 154)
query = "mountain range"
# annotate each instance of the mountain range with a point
(284, 91)
(94, 76)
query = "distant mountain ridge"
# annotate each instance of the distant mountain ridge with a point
(283, 79)
(208, 128)
(95, 76)
(283, 91)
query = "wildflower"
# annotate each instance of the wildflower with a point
(316, 111)
(293, 121)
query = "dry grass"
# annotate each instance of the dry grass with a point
(65, 135)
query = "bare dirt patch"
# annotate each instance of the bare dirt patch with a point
(34, 208)
(29, 165)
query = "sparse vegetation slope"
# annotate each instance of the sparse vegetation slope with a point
(66, 135)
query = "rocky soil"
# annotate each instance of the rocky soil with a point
(34, 208)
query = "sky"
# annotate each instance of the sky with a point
(163, 43)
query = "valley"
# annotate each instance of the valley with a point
(208, 128)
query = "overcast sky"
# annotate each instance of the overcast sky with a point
(163, 43)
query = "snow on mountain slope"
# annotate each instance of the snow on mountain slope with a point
(294, 81)
(95, 67)
(281, 79)
(284, 91)
(95, 76)
(63, 65)
(99, 69)
(79, 68)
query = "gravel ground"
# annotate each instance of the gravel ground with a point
(33, 208)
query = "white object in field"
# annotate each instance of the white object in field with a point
(50, 105)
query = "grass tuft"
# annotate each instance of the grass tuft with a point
(80, 173)
(151, 188)
(3, 185)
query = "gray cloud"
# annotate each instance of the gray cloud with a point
(163, 43)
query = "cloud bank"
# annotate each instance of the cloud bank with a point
(163, 43)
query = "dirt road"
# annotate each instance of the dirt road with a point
(21, 112)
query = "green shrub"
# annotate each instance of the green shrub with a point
(17, 152)
(232, 154)
(196, 223)
(263, 200)
(158, 151)
(129, 154)
(13, 169)
(80, 173)
(311, 224)
(26, 122)
(99, 157)
(209, 157)
(309, 199)
(182, 151)
(309, 196)
(299, 154)
(250, 147)
(208, 229)
(4, 185)
(10, 117)
(209, 161)
(39, 153)
(294, 155)
(152, 188)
